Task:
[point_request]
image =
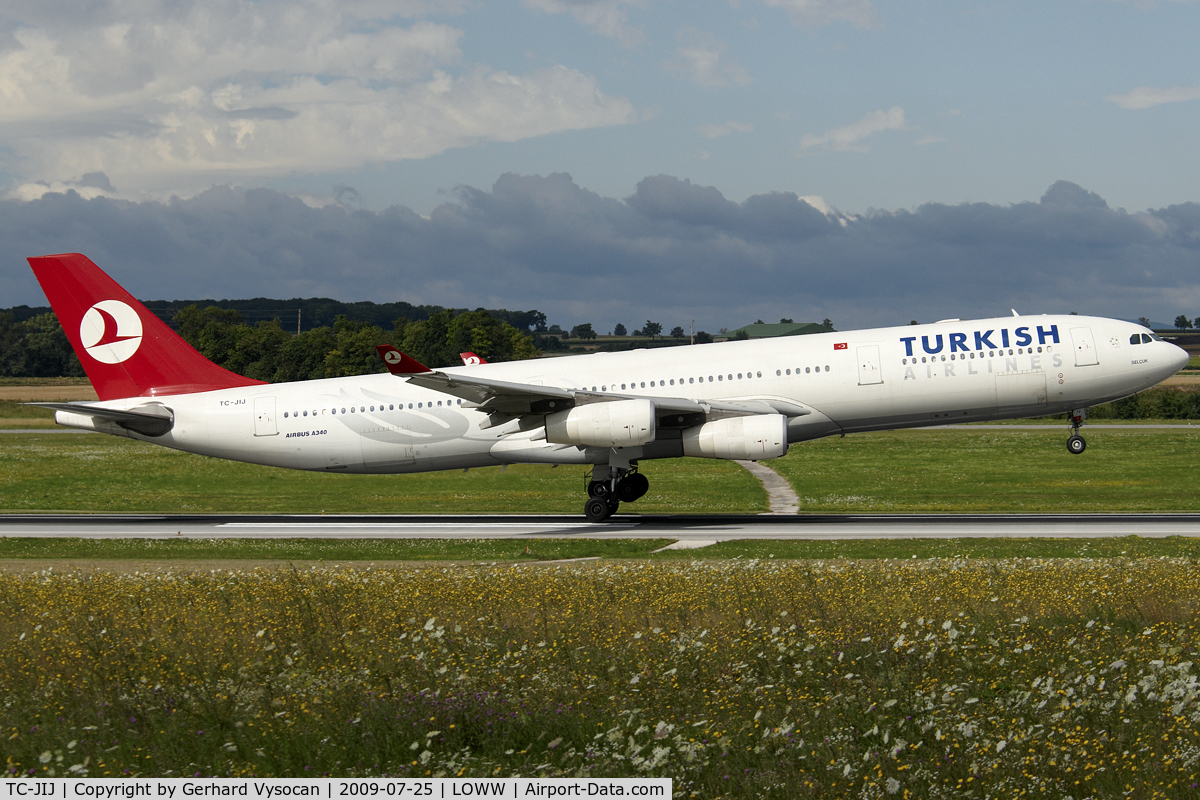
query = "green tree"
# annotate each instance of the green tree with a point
(583, 331)
(703, 338)
(12, 347)
(211, 330)
(257, 350)
(652, 329)
(619, 330)
(48, 353)
(437, 341)
(354, 351)
(677, 332)
(302, 357)
(1182, 322)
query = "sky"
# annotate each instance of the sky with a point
(613, 161)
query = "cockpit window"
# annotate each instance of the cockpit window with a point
(1153, 336)
(1148, 337)
(1135, 339)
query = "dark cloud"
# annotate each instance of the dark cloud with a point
(97, 180)
(672, 252)
(1065, 193)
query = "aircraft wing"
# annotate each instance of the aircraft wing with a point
(509, 399)
(152, 419)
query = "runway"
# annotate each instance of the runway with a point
(696, 530)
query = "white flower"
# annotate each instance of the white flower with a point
(893, 785)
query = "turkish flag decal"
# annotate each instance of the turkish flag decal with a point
(840, 346)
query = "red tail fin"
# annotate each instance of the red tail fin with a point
(125, 350)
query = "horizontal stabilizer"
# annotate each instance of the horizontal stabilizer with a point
(149, 420)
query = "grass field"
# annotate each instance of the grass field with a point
(1003, 471)
(939, 471)
(920, 679)
(88, 472)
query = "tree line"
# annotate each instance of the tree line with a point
(37, 347)
(1182, 323)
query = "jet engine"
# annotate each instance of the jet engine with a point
(745, 438)
(621, 423)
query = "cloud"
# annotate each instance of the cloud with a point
(1150, 96)
(703, 59)
(606, 17)
(818, 13)
(717, 130)
(671, 252)
(846, 139)
(166, 96)
(1065, 193)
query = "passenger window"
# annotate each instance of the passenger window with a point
(710, 378)
(691, 380)
(807, 370)
(827, 368)
(285, 415)
(720, 377)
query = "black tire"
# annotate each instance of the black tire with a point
(632, 487)
(598, 489)
(1076, 445)
(597, 509)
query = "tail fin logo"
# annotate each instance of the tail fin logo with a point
(393, 357)
(111, 331)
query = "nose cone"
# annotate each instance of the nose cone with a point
(1178, 358)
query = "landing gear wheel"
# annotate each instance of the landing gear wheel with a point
(631, 487)
(598, 489)
(598, 509)
(1076, 444)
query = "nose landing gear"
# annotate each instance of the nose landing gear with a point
(606, 494)
(1076, 443)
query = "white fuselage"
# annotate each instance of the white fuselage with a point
(913, 376)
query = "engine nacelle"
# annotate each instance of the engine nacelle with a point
(742, 438)
(621, 423)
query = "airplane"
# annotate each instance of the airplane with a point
(746, 400)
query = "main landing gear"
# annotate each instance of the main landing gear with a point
(605, 495)
(1076, 444)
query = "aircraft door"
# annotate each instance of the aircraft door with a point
(264, 417)
(868, 365)
(1085, 347)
